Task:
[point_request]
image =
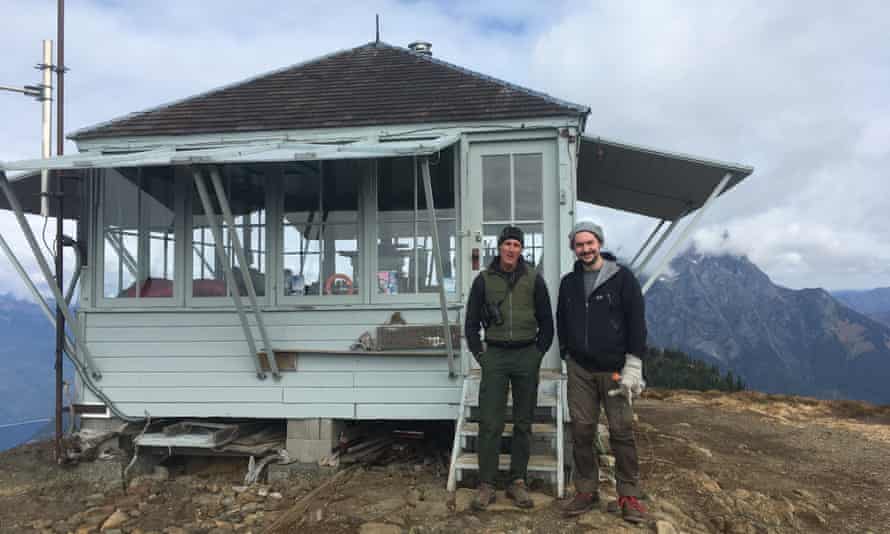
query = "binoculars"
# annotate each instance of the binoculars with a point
(491, 314)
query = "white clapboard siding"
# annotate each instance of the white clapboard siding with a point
(196, 317)
(406, 411)
(252, 410)
(194, 394)
(346, 334)
(167, 349)
(227, 379)
(192, 365)
(196, 363)
(403, 395)
(376, 379)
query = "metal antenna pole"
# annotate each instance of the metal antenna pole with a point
(46, 122)
(60, 223)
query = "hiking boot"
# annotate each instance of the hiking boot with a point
(581, 504)
(631, 510)
(519, 493)
(484, 497)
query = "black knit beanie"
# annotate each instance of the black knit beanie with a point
(511, 232)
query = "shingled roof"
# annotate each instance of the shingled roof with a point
(373, 84)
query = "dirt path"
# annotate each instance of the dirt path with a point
(732, 464)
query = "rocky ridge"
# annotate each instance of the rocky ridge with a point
(724, 310)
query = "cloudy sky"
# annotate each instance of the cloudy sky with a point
(799, 90)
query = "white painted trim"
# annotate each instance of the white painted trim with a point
(383, 133)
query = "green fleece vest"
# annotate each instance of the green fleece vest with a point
(517, 306)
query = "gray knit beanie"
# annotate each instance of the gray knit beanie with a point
(586, 226)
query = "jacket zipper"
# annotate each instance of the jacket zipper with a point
(586, 322)
(510, 298)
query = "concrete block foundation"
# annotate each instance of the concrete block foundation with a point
(308, 440)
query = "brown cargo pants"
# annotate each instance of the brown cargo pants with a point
(586, 394)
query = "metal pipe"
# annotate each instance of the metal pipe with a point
(658, 244)
(646, 243)
(245, 268)
(686, 232)
(46, 122)
(29, 90)
(437, 254)
(201, 186)
(16, 207)
(60, 219)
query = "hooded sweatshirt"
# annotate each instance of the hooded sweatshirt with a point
(598, 329)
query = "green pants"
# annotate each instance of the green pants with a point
(518, 369)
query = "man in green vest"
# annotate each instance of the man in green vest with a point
(509, 300)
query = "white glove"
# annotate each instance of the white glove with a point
(631, 382)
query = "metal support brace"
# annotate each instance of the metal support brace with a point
(657, 246)
(201, 186)
(686, 232)
(245, 271)
(16, 206)
(437, 254)
(646, 243)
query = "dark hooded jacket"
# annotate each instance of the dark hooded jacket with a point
(597, 331)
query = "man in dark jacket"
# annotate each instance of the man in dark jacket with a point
(602, 335)
(509, 300)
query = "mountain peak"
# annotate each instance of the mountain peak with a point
(724, 309)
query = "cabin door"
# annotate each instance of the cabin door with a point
(512, 183)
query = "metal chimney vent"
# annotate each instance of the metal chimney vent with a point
(421, 47)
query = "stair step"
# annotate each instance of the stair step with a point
(472, 429)
(536, 462)
(545, 399)
(545, 374)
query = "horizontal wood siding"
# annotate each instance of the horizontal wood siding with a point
(254, 410)
(196, 364)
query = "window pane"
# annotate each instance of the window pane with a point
(395, 258)
(428, 278)
(496, 188)
(395, 188)
(340, 259)
(341, 181)
(527, 172)
(244, 187)
(139, 233)
(340, 185)
(442, 180)
(302, 259)
(320, 227)
(301, 228)
(490, 234)
(533, 249)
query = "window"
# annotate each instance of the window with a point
(138, 233)
(512, 193)
(405, 261)
(245, 188)
(320, 228)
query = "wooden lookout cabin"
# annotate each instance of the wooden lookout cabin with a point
(295, 246)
